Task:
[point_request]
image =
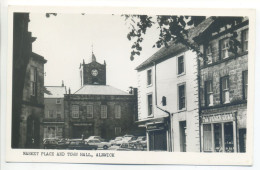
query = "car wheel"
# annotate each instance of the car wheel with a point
(105, 147)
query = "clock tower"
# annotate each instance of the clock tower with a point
(92, 73)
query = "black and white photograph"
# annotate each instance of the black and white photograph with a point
(114, 83)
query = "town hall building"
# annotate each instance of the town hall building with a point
(98, 109)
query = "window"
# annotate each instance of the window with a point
(51, 114)
(181, 92)
(180, 64)
(245, 84)
(244, 40)
(208, 93)
(59, 132)
(58, 101)
(149, 77)
(33, 79)
(117, 111)
(117, 131)
(224, 46)
(58, 113)
(224, 90)
(89, 111)
(207, 138)
(103, 111)
(209, 54)
(75, 111)
(150, 104)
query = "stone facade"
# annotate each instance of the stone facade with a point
(96, 125)
(223, 121)
(31, 131)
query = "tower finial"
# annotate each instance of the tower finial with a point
(93, 56)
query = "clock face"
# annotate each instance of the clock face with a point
(94, 72)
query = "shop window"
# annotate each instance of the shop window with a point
(50, 132)
(208, 93)
(228, 137)
(245, 84)
(33, 79)
(182, 97)
(103, 111)
(89, 111)
(224, 46)
(150, 104)
(117, 111)
(218, 137)
(208, 54)
(149, 77)
(207, 138)
(225, 90)
(75, 111)
(244, 37)
(180, 64)
(117, 131)
(59, 132)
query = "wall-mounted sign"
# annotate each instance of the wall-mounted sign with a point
(82, 124)
(158, 126)
(218, 117)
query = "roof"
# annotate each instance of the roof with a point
(176, 48)
(55, 91)
(100, 90)
(39, 57)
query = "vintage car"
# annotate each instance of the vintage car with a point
(80, 144)
(140, 139)
(97, 142)
(96, 137)
(116, 141)
(131, 147)
(63, 143)
(50, 143)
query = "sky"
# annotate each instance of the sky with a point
(66, 39)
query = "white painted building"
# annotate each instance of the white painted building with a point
(168, 99)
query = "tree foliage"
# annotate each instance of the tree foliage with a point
(174, 28)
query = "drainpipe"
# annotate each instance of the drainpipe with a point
(169, 114)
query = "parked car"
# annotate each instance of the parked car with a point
(63, 143)
(131, 147)
(80, 144)
(116, 140)
(97, 142)
(140, 139)
(50, 143)
(96, 137)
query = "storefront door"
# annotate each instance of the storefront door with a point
(157, 140)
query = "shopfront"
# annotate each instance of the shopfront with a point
(219, 132)
(157, 137)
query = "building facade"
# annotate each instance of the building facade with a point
(96, 108)
(168, 100)
(31, 131)
(53, 121)
(223, 86)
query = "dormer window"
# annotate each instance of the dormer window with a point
(224, 46)
(244, 40)
(209, 54)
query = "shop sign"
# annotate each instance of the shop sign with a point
(158, 126)
(218, 117)
(82, 124)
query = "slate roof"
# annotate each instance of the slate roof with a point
(100, 90)
(176, 48)
(54, 91)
